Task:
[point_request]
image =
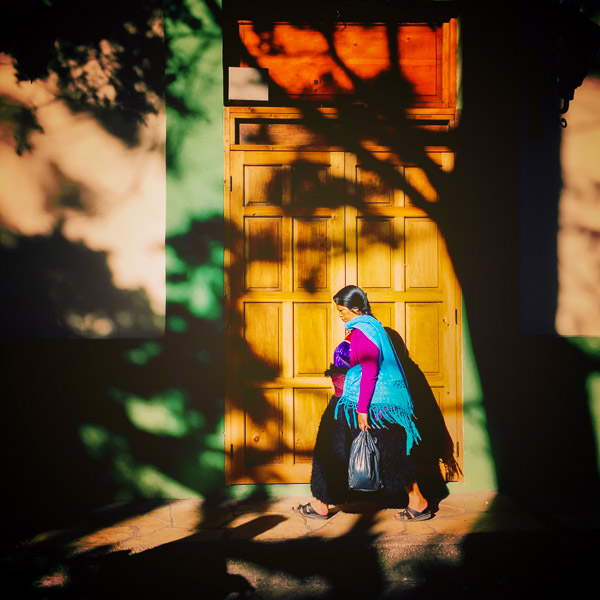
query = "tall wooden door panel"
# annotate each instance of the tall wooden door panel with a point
(292, 245)
(287, 260)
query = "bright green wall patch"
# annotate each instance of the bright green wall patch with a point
(195, 181)
(163, 415)
(593, 388)
(212, 459)
(216, 440)
(288, 490)
(142, 354)
(176, 324)
(479, 470)
(173, 263)
(134, 478)
(206, 299)
(154, 484)
(591, 347)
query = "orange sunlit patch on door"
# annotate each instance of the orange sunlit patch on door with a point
(305, 61)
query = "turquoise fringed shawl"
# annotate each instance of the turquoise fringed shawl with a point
(391, 401)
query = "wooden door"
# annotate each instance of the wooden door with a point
(287, 261)
(294, 240)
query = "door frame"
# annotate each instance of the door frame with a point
(233, 117)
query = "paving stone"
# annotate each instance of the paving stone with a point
(289, 527)
(264, 526)
(163, 513)
(459, 525)
(338, 525)
(154, 539)
(110, 536)
(188, 513)
(508, 522)
(49, 536)
(268, 584)
(471, 501)
(145, 524)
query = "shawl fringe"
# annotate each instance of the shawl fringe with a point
(379, 416)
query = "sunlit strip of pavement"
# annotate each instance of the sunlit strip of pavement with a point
(264, 548)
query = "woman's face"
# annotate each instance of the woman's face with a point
(347, 314)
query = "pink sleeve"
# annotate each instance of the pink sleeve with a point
(365, 352)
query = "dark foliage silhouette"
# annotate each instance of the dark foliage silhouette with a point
(70, 294)
(125, 40)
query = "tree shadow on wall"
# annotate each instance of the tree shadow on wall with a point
(56, 288)
(109, 61)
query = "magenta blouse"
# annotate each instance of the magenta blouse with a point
(357, 348)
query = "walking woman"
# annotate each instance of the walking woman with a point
(369, 391)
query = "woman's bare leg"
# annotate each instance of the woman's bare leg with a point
(416, 500)
(320, 507)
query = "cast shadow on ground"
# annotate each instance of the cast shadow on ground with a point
(226, 562)
(204, 566)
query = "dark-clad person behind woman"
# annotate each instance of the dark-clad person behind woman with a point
(369, 391)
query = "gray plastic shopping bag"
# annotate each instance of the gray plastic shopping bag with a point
(363, 467)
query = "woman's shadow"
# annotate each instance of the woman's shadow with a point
(434, 454)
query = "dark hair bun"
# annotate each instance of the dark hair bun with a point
(351, 297)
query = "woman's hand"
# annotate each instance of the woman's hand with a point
(363, 421)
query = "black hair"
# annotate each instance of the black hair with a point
(351, 297)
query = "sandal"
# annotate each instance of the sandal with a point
(306, 510)
(410, 514)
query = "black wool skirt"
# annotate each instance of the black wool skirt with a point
(329, 478)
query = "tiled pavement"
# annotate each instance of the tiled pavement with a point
(478, 545)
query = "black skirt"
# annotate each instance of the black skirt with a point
(329, 479)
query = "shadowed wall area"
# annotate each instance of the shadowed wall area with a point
(82, 201)
(534, 386)
(82, 250)
(92, 421)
